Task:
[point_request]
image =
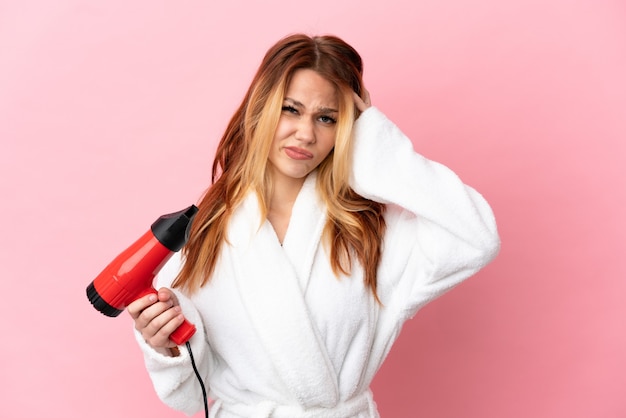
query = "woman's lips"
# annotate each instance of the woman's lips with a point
(298, 153)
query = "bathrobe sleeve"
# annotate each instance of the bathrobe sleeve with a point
(439, 230)
(173, 377)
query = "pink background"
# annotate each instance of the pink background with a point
(109, 115)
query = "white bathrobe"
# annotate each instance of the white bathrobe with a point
(279, 335)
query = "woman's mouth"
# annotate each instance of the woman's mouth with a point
(298, 153)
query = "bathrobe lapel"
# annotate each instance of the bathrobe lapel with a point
(272, 280)
(302, 241)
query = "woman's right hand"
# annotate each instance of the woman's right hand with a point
(362, 103)
(156, 316)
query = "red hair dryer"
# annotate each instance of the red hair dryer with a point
(130, 275)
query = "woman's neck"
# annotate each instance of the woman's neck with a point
(284, 194)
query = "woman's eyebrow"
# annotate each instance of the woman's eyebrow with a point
(322, 109)
(294, 102)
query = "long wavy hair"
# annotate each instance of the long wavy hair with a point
(355, 225)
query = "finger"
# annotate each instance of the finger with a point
(359, 103)
(362, 103)
(157, 334)
(165, 294)
(149, 314)
(366, 97)
(137, 307)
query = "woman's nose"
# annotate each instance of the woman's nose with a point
(305, 131)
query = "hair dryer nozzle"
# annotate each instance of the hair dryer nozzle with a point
(172, 230)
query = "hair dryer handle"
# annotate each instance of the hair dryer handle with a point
(184, 332)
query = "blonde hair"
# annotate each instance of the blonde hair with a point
(355, 225)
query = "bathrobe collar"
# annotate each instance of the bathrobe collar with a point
(272, 282)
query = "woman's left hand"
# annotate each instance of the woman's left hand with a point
(362, 103)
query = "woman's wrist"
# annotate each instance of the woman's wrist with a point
(167, 351)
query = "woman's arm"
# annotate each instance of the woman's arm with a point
(440, 231)
(168, 365)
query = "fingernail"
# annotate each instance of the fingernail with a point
(177, 308)
(152, 298)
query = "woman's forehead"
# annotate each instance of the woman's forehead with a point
(309, 89)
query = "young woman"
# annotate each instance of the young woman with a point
(322, 233)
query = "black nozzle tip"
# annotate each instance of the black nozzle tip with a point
(172, 230)
(99, 303)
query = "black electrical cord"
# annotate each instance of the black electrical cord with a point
(195, 369)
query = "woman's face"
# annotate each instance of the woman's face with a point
(305, 134)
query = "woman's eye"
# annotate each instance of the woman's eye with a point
(290, 109)
(327, 119)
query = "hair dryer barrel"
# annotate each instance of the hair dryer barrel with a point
(130, 275)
